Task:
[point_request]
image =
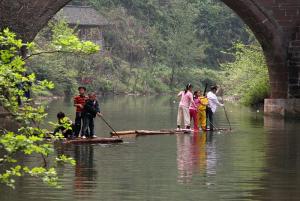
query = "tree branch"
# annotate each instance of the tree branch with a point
(48, 52)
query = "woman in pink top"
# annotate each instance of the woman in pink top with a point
(194, 110)
(183, 117)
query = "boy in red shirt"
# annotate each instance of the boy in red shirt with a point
(79, 102)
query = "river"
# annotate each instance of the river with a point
(258, 160)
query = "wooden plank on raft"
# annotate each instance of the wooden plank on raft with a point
(130, 132)
(158, 132)
(96, 140)
(136, 133)
(124, 134)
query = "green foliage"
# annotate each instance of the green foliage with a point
(64, 39)
(150, 47)
(247, 77)
(66, 52)
(29, 138)
(180, 35)
(218, 28)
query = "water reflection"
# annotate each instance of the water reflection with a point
(274, 123)
(85, 172)
(259, 160)
(195, 155)
(281, 179)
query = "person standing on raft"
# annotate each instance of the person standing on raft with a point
(79, 102)
(91, 110)
(194, 110)
(213, 103)
(183, 117)
(202, 111)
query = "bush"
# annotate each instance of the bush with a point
(247, 76)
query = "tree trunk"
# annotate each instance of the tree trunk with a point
(172, 77)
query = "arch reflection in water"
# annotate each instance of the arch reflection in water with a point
(195, 154)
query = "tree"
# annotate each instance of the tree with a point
(218, 28)
(181, 43)
(56, 57)
(29, 139)
(250, 71)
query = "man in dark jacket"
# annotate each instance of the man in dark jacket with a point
(91, 110)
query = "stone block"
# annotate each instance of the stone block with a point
(284, 108)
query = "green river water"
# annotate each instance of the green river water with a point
(258, 160)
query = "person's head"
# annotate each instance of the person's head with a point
(60, 115)
(92, 96)
(188, 87)
(81, 90)
(214, 89)
(196, 94)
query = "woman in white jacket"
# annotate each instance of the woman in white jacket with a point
(213, 103)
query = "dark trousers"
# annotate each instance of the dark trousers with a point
(88, 126)
(78, 123)
(209, 115)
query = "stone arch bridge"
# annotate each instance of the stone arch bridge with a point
(275, 23)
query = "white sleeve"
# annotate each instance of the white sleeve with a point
(214, 99)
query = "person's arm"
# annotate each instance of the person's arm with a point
(179, 94)
(200, 102)
(98, 109)
(214, 98)
(192, 100)
(76, 104)
(205, 101)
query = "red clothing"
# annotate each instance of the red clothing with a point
(80, 100)
(194, 116)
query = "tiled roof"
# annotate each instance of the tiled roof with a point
(81, 15)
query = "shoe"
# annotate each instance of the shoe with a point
(83, 137)
(94, 136)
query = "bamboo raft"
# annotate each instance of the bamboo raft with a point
(136, 133)
(97, 140)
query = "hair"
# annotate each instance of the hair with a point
(195, 94)
(92, 94)
(81, 87)
(213, 88)
(60, 115)
(188, 87)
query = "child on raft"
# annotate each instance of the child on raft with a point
(194, 110)
(91, 110)
(79, 102)
(183, 116)
(203, 102)
(65, 125)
